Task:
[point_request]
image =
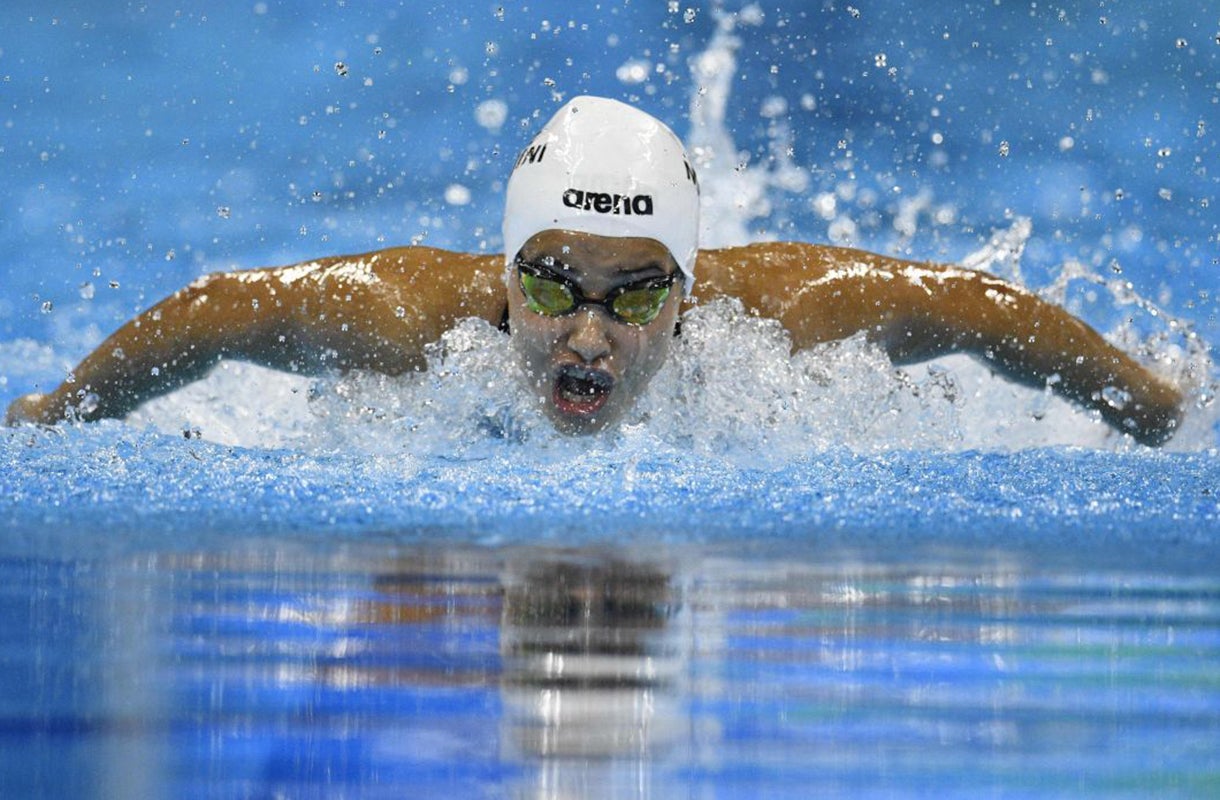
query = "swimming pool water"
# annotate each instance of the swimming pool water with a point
(376, 669)
(918, 582)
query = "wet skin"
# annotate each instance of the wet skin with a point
(377, 311)
(587, 367)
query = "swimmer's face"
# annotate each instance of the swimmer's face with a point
(588, 366)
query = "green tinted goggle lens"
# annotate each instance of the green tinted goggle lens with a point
(553, 297)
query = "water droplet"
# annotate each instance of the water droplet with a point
(1004, 149)
(633, 71)
(341, 69)
(491, 114)
(880, 59)
(400, 312)
(86, 290)
(47, 305)
(224, 212)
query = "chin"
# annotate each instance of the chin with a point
(571, 424)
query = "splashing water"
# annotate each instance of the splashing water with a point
(732, 387)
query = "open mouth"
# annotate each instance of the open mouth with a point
(581, 391)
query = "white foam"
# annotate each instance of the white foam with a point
(732, 390)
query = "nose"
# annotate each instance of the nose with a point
(588, 338)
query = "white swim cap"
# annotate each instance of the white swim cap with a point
(604, 167)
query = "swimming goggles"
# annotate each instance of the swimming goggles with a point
(553, 295)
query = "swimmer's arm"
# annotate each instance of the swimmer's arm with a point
(338, 313)
(920, 311)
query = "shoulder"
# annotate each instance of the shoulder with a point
(739, 271)
(412, 263)
(802, 262)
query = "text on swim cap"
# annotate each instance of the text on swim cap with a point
(605, 203)
(690, 173)
(530, 155)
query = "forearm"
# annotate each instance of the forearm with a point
(173, 343)
(1037, 343)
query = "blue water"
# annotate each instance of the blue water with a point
(816, 576)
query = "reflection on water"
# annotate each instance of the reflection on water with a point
(531, 672)
(593, 658)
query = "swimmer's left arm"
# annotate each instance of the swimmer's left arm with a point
(920, 311)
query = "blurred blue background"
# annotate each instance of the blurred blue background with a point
(144, 144)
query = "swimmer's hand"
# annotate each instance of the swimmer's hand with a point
(31, 408)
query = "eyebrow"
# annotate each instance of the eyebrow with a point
(650, 271)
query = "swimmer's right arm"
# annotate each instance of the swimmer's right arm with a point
(374, 311)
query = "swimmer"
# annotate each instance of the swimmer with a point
(601, 259)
